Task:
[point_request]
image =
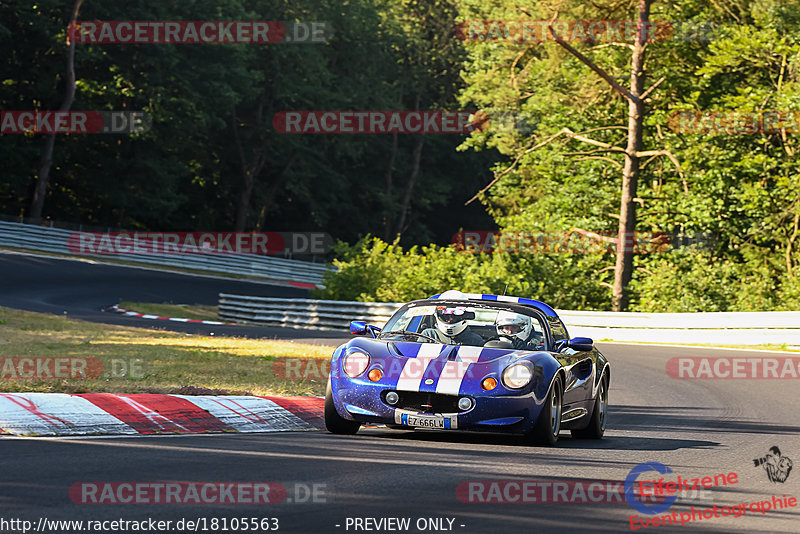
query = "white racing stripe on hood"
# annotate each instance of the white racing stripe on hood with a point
(453, 373)
(414, 368)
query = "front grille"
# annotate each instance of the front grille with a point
(426, 402)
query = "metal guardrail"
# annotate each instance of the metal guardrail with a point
(47, 239)
(714, 328)
(302, 313)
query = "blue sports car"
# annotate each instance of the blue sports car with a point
(470, 362)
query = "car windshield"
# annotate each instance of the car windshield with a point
(472, 324)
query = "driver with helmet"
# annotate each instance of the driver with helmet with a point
(451, 327)
(516, 328)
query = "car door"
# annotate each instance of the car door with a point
(579, 365)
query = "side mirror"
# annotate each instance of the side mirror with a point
(358, 328)
(583, 344)
(361, 328)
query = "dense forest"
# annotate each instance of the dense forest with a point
(211, 159)
(554, 158)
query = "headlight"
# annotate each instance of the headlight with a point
(517, 376)
(355, 363)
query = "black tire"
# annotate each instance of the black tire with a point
(334, 422)
(597, 424)
(547, 427)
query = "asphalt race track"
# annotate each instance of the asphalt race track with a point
(697, 428)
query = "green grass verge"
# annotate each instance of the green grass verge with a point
(142, 360)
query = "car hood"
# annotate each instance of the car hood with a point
(439, 368)
(476, 355)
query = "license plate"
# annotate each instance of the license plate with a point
(426, 421)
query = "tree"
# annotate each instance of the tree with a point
(40, 192)
(635, 97)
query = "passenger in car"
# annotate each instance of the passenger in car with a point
(516, 329)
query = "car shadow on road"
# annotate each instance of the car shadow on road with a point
(624, 419)
(690, 419)
(609, 442)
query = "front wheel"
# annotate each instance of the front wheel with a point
(334, 422)
(547, 427)
(597, 424)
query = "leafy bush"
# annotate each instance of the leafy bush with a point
(696, 282)
(375, 271)
(372, 270)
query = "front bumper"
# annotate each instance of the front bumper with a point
(364, 401)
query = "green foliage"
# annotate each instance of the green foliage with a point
(186, 172)
(375, 271)
(742, 189)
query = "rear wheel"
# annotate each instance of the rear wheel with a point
(597, 424)
(547, 427)
(334, 422)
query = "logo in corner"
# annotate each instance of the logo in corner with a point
(630, 489)
(777, 467)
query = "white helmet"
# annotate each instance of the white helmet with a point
(452, 320)
(514, 325)
(453, 294)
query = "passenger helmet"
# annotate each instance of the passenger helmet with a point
(513, 325)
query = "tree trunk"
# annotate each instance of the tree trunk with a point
(623, 269)
(42, 179)
(250, 170)
(272, 191)
(790, 245)
(387, 189)
(416, 157)
(243, 205)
